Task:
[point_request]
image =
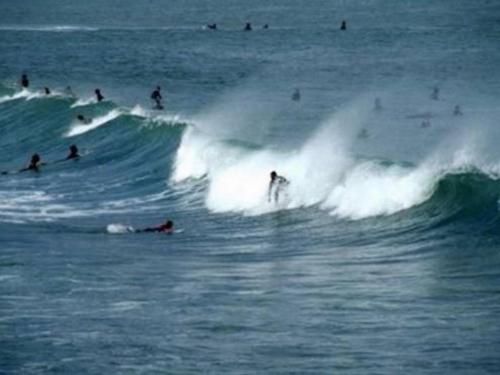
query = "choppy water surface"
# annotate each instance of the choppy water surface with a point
(381, 256)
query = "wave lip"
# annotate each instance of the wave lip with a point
(79, 129)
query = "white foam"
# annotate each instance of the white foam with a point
(84, 102)
(119, 229)
(78, 128)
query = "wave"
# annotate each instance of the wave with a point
(49, 28)
(78, 129)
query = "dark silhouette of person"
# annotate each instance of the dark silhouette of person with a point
(24, 81)
(343, 25)
(457, 111)
(73, 153)
(156, 96)
(435, 94)
(212, 26)
(83, 119)
(167, 228)
(46, 90)
(266, 26)
(34, 165)
(248, 27)
(98, 95)
(296, 95)
(276, 186)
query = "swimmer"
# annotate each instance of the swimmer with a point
(265, 27)
(426, 123)
(73, 153)
(343, 25)
(83, 119)
(98, 95)
(378, 104)
(167, 228)
(248, 27)
(34, 165)
(457, 111)
(156, 96)
(212, 26)
(24, 81)
(435, 94)
(296, 95)
(46, 90)
(276, 185)
(69, 91)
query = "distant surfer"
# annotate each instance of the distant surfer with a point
(248, 27)
(34, 164)
(343, 25)
(24, 81)
(73, 153)
(378, 105)
(98, 95)
(265, 27)
(167, 228)
(46, 90)
(83, 119)
(435, 94)
(457, 111)
(156, 97)
(276, 186)
(296, 95)
(69, 91)
(426, 123)
(212, 26)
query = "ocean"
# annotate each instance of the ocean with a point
(380, 256)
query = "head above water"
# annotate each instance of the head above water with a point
(80, 117)
(273, 175)
(169, 224)
(73, 149)
(35, 158)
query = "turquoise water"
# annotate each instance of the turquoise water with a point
(381, 257)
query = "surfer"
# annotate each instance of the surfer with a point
(212, 26)
(296, 95)
(435, 94)
(156, 97)
(73, 153)
(34, 165)
(167, 228)
(46, 90)
(98, 95)
(83, 119)
(248, 27)
(24, 81)
(343, 25)
(457, 111)
(276, 186)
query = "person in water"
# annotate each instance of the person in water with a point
(24, 81)
(435, 94)
(276, 186)
(167, 228)
(343, 25)
(265, 27)
(156, 96)
(73, 153)
(296, 95)
(98, 95)
(83, 119)
(457, 111)
(212, 26)
(46, 90)
(248, 27)
(34, 165)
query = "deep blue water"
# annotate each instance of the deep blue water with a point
(382, 255)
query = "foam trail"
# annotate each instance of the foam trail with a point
(119, 229)
(79, 129)
(26, 94)
(84, 102)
